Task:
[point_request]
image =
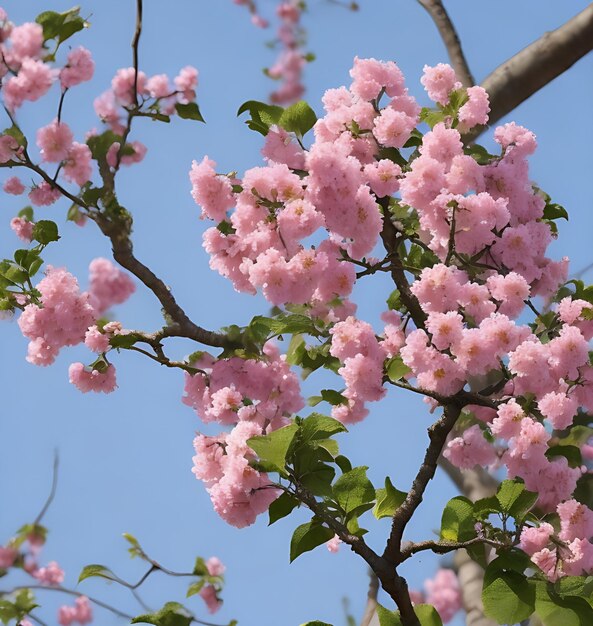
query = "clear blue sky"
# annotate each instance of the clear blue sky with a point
(126, 457)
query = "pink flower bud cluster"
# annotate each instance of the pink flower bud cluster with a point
(255, 397)
(80, 613)
(568, 553)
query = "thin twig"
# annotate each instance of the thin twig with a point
(135, 44)
(52, 491)
(450, 38)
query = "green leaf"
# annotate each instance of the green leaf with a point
(27, 213)
(457, 523)
(507, 595)
(556, 610)
(195, 588)
(262, 115)
(281, 507)
(189, 111)
(307, 537)
(426, 613)
(431, 116)
(273, 448)
(298, 118)
(330, 396)
(172, 614)
(388, 500)
(396, 368)
(95, 570)
(200, 568)
(316, 623)
(61, 26)
(353, 489)
(99, 144)
(123, 340)
(571, 453)
(318, 426)
(554, 211)
(45, 231)
(16, 133)
(508, 492)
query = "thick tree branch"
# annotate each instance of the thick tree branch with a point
(538, 64)
(450, 38)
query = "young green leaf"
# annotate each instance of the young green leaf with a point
(457, 523)
(388, 500)
(353, 489)
(307, 537)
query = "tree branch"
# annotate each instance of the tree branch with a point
(538, 64)
(437, 433)
(450, 38)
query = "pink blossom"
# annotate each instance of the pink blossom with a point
(208, 594)
(534, 539)
(7, 556)
(62, 320)
(95, 340)
(26, 40)
(77, 166)
(79, 68)
(32, 82)
(186, 82)
(470, 449)
(108, 285)
(51, 575)
(44, 194)
(86, 379)
(576, 520)
(371, 76)
(22, 228)
(158, 86)
(475, 110)
(9, 148)
(212, 192)
(123, 83)
(215, 566)
(333, 545)
(14, 186)
(439, 81)
(444, 593)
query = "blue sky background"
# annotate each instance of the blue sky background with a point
(126, 457)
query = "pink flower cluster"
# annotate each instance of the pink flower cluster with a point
(108, 285)
(22, 52)
(291, 60)
(57, 146)
(568, 553)
(443, 592)
(61, 320)
(80, 613)
(255, 397)
(354, 343)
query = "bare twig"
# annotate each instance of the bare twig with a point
(52, 491)
(450, 38)
(135, 44)
(443, 547)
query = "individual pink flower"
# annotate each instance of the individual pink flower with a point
(475, 110)
(333, 545)
(215, 566)
(95, 340)
(14, 186)
(77, 167)
(534, 539)
(470, 449)
(108, 285)
(31, 83)
(44, 194)
(22, 228)
(27, 40)
(212, 192)
(79, 68)
(439, 81)
(210, 597)
(55, 141)
(123, 84)
(86, 379)
(444, 593)
(186, 82)
(7, 556)
(51, 575)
